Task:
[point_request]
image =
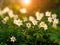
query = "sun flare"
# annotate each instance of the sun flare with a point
(26, 2)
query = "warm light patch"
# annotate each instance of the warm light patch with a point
(26, 2)
(23, 10)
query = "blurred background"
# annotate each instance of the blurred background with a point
(35, 5)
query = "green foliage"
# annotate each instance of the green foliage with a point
(28, 36)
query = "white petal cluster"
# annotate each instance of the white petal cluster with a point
(10, 13)
(28, 25)
(43, 25)
(31, 18)
(18, 22)
(55, 22)
(23, 10)
(50, 19)
(5, 10)
(39, 15)
(54, 16)
(15, 17)
(13, 39)
(39, 18)
(34, 22)
(48, 13)
(4, 21)
(25, 19)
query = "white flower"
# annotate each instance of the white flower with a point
(5, 10)
(13, 39)
(25, 19)
(5, 20)
(31, 18)
(15, 16)
(18, 22)
(15, 21)
(48, 13)
(6, 17)
(28, 25)
(39, 16)
(56, 21)
(54, 25)
(54, 16)
(43, 25)
(23, 10)
(10, 13)
(34, 22)
(49, 19)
